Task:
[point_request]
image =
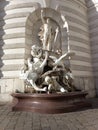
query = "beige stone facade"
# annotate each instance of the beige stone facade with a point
(18, 24)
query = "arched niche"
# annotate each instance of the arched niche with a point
(34, 23)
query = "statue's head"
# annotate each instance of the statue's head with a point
(36, 51)
(34, 48)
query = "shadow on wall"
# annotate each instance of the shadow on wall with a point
(93, 28)
(3, 3)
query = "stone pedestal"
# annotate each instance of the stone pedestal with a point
(50, 103)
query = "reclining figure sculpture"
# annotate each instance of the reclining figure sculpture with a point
(50, 79)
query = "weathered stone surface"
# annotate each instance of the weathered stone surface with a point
(81, 120)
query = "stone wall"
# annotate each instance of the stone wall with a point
(93, 27)
(79, 42)
(16, 39)
(13, 50)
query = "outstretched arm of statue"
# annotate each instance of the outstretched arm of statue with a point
(56, 34)
(45, 60)
(68, 54)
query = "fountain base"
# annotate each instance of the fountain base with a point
(50, 103)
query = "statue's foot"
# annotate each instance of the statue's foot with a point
(45, 89)
(41, 89)
(63, 90)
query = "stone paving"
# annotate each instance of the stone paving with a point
(81, 120)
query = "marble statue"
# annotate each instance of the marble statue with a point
(53, 80)
(45, 71)
(48, 34)
(35, 67)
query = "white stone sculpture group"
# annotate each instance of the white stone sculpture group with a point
(45, 70)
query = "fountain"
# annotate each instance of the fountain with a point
(49, 86)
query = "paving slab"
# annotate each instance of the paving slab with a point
(80, 120)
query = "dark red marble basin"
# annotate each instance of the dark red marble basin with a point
(49, 103)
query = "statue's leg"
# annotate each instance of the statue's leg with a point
(36, 87)
(58, 86)
(49, 47)
(45, 41)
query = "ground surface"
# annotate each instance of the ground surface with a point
(81, 120)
